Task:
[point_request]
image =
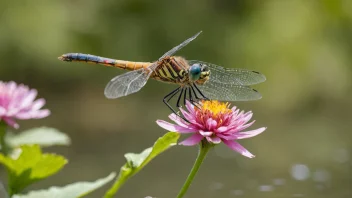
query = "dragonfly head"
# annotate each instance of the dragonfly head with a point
(199, 72)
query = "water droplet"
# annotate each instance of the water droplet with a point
(300, 172)
(266, 188)
(216, 186)
(252, 183)
(279, 181)
(237, 192)
(341, 155)
(321, 175)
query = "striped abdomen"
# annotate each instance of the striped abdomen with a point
(172, 69)
(128, 65)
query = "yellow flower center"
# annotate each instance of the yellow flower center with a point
(215, 107)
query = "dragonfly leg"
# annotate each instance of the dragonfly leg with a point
(179, 98)
(191, 100)
(168, 97)
(200, 92)
(173, 93)
(190, 95)
(184, 96)
(197, 103)
(195, 94)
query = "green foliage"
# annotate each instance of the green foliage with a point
(43, 136)
(74, 190)
(28, 164)
(3, 145)
(135, 162)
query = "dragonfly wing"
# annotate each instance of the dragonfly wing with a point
(232, 75)
(127, 83)
(228, 92)
(175, 49)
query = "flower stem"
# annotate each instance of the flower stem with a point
(117, 185)
(3, 145)
(203, 150)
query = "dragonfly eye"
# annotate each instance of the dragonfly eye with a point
(195, 71)
(205, 68)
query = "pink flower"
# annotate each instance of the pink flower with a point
(214, 122)
(17, 102)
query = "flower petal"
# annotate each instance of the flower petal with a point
(239, 116)
(205, 133)
(237, 128)
(33, 114)
(247, 116)
(239, 148)
(222, 129)
(214, 139)
(234, 108)
(249, 134)
(178, 120)
(30, 96)
(41, 114)
(190, 107)
(193, 140)
(174, 128)
(240, 128)
(11, 122)
(187, 115)
(23, 115)
(17, 101)
(235, 113)
(38, 104)
(227, 136)
(2, 111)
(211, 124)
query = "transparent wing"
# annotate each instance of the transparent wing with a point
(127, 83)
(231, 75)
(228, 92)
(175, 49)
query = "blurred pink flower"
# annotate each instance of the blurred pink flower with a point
(214, 122)
(17, 102)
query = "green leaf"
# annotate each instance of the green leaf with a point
(43, 136)
(28, 164)
(74, 190)
(135, 162)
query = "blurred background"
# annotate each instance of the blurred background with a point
(303, 47)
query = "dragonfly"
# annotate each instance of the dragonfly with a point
(196, 80)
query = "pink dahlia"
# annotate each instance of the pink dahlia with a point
(214, 122)
(17, 102)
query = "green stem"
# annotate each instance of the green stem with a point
(117, 185)
(203, 150)
(4, 147)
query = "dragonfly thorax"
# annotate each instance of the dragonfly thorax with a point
(176, 69)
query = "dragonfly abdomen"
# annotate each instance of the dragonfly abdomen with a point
(78, 57)
(88, 58)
